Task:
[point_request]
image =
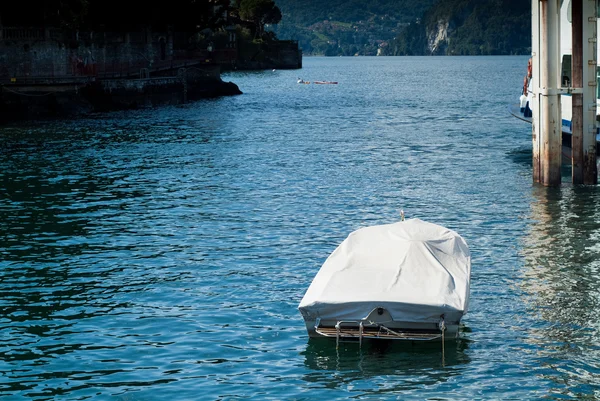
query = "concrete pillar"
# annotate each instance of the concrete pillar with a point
(548, 127)
(589, 49)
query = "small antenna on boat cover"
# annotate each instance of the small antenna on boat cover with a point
(401, 215)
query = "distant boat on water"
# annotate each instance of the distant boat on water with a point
(301, 81)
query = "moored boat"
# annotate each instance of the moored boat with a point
(408, 280)
(523, 110)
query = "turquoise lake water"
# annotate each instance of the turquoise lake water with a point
(161, 254)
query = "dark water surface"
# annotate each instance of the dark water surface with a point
(161, 254)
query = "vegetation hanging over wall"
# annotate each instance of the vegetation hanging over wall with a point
(114, 15)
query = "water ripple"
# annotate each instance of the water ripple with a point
(162, 253)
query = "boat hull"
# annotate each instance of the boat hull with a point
(566, 133)
(429, 324)
(398, 331)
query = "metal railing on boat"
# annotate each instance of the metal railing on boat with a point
(358, 330)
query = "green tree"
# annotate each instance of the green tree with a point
(259, 13)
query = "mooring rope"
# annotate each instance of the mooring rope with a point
(443, 329)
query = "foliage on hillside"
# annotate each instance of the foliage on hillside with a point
(474, 27)
(334, 27)
(346, 27)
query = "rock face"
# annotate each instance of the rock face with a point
(437, 37)
(120, 94)
(469, 27)
(24, 102)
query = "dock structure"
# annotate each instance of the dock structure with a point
(548, 86)
(584, 63)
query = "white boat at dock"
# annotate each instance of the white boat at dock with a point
(520, 110)
(515, 110)
(408, 280)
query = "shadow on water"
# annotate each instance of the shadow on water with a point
(521, 156)
(46, 244)
(376, 359)
(561, 283)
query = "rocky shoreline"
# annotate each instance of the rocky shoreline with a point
(53, 73)
(76, 99)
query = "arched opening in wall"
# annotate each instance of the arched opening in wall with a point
(163, 48)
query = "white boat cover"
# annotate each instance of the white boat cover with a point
(416, 270)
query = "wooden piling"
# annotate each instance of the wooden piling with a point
(577, 157)
(535, 85)
(547, 90)
(551, 122)
(590, 27)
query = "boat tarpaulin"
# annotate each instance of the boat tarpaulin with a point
(414, 269)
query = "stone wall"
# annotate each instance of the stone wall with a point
(31, 98)
(35, 52)
(45, 73)
(28, 52)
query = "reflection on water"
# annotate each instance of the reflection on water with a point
(407, 365)
(561, 283)
(387, 356)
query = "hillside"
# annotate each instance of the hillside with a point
(468, 27)
(405, 27)
(346, 27)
